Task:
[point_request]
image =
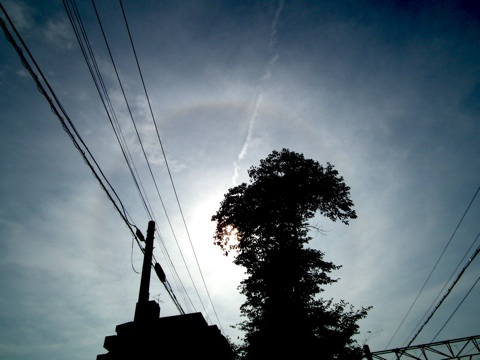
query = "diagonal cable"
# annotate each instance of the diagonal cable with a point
(445, 295)
(168, 169)
(129, 111)
(89, 56)
(434, 267)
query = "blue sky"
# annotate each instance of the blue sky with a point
(386, 91)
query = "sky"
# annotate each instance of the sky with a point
(386, 91)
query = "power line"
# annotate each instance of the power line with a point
(89, 56)
(56, 112)
(454, 311)
(167, 166)
(107, 104)
(145, 200)
(434, 267)
(444, 286)
(176, 278)
(126, 100)
(446, 294)
(73, 135)
(131, 259)
(131, 116)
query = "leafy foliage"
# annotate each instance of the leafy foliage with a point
(265, 223)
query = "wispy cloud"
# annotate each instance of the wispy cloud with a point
(59, 34)
(21, 14)
(267, 74)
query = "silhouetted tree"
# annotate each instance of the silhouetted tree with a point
(266, 225)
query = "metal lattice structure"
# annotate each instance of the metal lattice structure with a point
(467, 348)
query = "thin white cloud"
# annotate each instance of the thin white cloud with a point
(273, 33)
(267, 74)
(21, 14)
(23, 73)
(387, 112)
(59, 33)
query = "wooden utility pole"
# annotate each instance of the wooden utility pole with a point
(146, 310)
(186, 336)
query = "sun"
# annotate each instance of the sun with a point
(231, 237)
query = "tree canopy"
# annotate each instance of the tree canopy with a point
(265, 224)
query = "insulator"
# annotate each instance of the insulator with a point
(140, 235)
(160, 273)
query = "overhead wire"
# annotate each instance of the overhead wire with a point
(443, 288)
(93, 68)
(176, 278)
(90, 59)
(454, 311)
(122, 211)
(169, 289)
(434, 267)
(133, 122)
(73, 134)
(166, 162)
(125, 98)
(165, 282)
(82, 37)
(107, 104)
(170, 173)
(131, 259)
(445, 295)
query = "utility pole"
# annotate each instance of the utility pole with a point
(187, 336)
(367, 352)
(146, 310)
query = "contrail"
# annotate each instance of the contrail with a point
(267, 73)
